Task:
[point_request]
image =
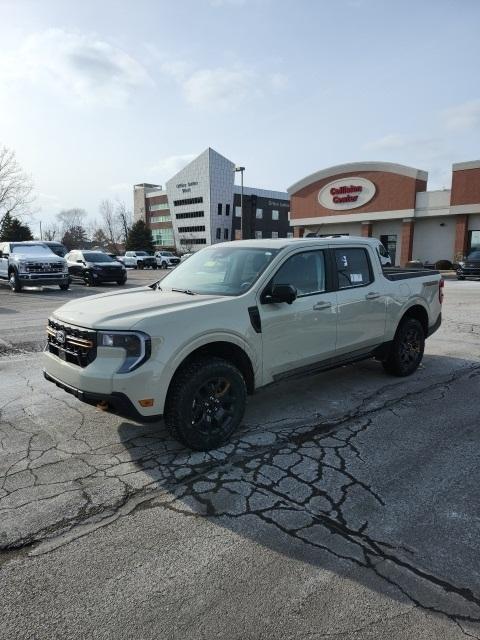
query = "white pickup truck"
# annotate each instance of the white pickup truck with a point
(233, 318)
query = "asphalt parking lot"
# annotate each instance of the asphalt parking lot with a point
(347, 506)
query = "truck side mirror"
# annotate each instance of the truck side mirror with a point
(283, 293)
(1, 254)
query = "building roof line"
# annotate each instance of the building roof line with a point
(357, 167)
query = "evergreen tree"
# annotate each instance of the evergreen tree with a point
(140, 238)
(13, 230)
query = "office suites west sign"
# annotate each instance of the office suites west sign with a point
(346, 193)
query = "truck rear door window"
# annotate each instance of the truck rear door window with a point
(353, 268)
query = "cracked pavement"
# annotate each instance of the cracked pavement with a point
(346, 506)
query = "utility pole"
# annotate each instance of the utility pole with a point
(41, 237)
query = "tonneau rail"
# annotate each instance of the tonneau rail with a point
(398, 273)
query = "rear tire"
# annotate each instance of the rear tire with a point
(460, 277)
(407, 349)
(154, 266)
(206, 403)
(64, 287)
(15, 284)
(164, 265)
(140, 265)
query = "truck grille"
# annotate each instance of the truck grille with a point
(43, 267)
(72, 344)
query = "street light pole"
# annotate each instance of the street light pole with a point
(241, 169)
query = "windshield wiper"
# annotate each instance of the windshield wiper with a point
(187, 291)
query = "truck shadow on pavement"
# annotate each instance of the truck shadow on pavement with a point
(386, 495)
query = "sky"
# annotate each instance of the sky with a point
(96, 96)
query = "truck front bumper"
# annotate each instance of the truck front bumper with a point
(42, 279)
(115, 401)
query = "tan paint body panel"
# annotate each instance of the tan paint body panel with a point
(179, 324)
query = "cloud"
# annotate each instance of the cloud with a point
(463, 116)
(222, 88)
(79, 66)
(390, 141)
(168, 167)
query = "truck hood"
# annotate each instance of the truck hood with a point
(122, 310)
(29, 258)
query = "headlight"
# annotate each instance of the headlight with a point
(137, 346)
(65, 268)
(22, 265)
(461, 264)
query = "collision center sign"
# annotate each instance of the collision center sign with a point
(346, 193)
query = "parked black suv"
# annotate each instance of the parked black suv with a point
(470, 267)
(94, 267)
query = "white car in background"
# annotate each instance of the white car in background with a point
(166, 259)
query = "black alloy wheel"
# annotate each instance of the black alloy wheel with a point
(206, 403)
(89, 279)
(407, 349)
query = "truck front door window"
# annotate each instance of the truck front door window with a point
(305, 271)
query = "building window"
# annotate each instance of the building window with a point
(274, 234)
(219, 208)
(274, 214)
(190, 214)
(258, 235)
(191, 229)
(180, 203)
(225, 234)
(159, 207)
(163, 237)
(259, 214)
(238, 212)
(160, 219)
(219, 233)
(227, 209)
(289, 234)
(193, 241)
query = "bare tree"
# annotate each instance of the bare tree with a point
(110, 224)
(124, 217)
(51, 232)
(16, 187)
(70, 218)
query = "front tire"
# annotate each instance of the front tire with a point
(460, 277)
(89, 279)
(14, 281)
(64, 287)
(206, 403)
(164, 265)
(140, 265)
(121, 282)
(407, 349)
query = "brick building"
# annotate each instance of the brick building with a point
(391, 202)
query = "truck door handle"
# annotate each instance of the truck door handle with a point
(373, 295)
(318, 306)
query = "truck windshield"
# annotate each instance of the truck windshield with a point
(32, 250)
(226, 271)
(474, 255)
